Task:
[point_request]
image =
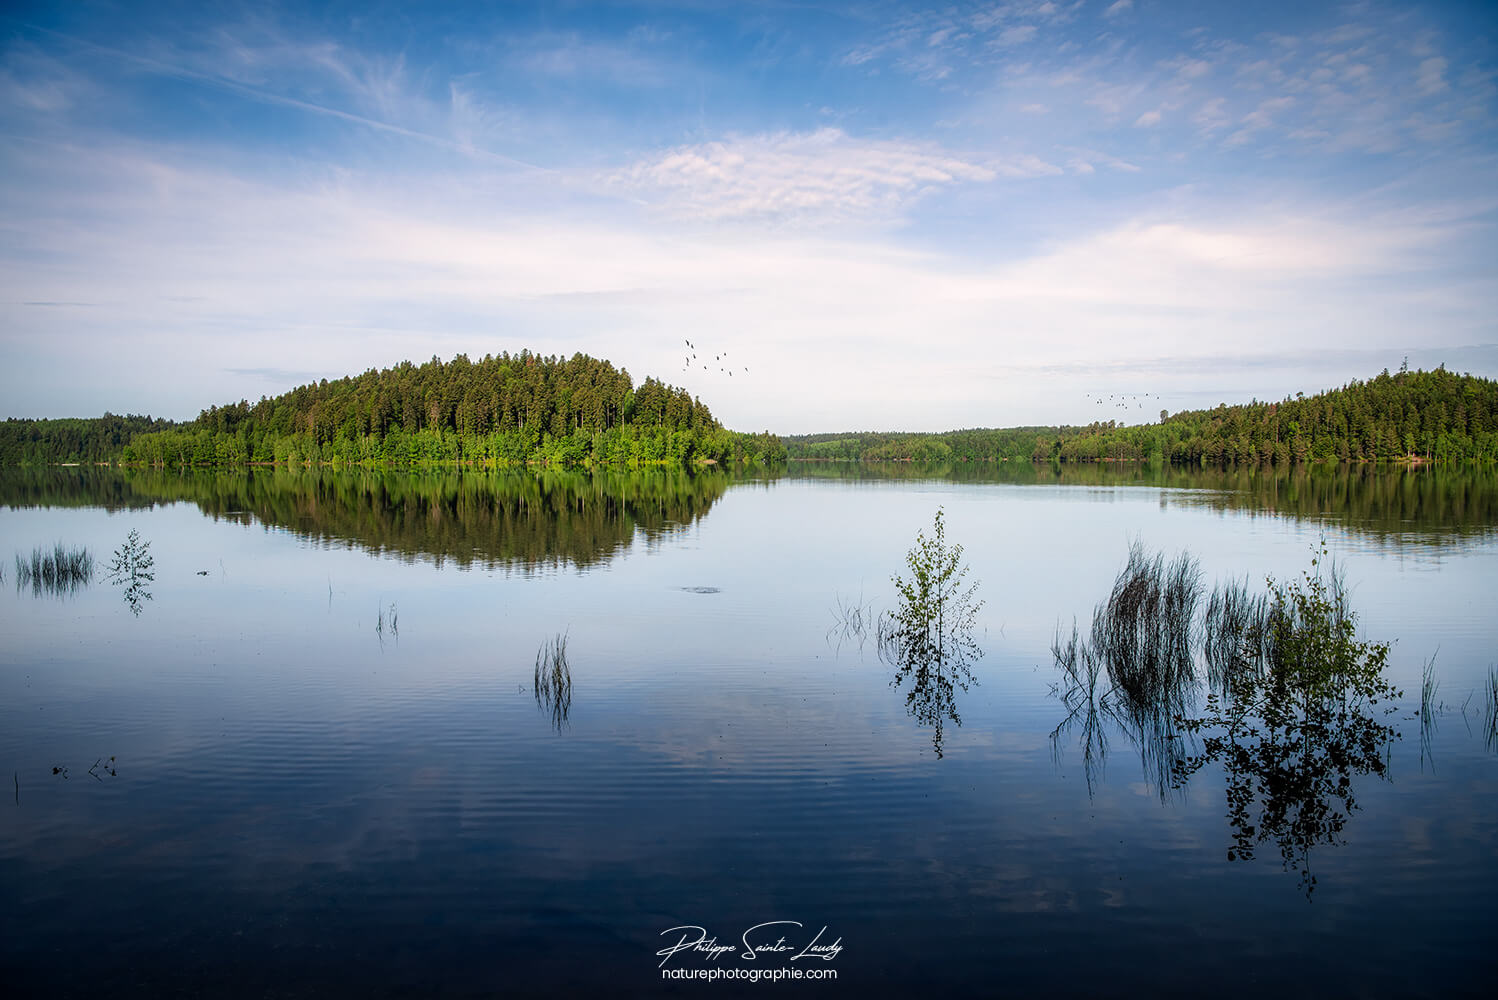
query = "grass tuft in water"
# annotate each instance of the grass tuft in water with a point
(851, 622)
(1428, 687)
(553, 680)
(60, 571)
(386, 620)
(1143, 631)
(1490, 722)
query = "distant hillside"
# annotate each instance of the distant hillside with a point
(504, 410)
(976, 445)
(1410, 416)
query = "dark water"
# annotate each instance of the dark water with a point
(324, 754)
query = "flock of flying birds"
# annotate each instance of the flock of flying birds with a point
(692, 357)
(1125, 398)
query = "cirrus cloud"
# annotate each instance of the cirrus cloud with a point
(807, 176)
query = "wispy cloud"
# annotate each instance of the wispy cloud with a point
(808, 176)
(1432, 78)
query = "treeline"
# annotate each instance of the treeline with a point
(972, 445)
(72, 439)
(505, 410)
(1425, 416)
(1410, 416)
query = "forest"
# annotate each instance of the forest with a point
(973, 445)
(85, 440)
(501, 411)
(1410, 416)
(526, 409)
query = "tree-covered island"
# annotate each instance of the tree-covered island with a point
(504, 410)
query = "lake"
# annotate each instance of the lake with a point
(432, 733)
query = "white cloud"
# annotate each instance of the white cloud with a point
(1432, 77)
(1083, 160)
(1259, 119)
(807, 176)
(1120, 7)
(1148, 119)
(1017, 35)
(1212, 115)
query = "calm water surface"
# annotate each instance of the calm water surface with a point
(314, 760)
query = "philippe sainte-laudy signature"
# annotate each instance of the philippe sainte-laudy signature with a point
(762, 941)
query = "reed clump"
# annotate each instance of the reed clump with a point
(851, 622)
(1490, 721)
(62, 570)
(385, 620)
(552, 683)
(1143, 630)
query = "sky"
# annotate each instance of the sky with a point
(876, 216)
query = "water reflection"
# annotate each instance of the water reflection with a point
(553, 681)
(1295, 709)
(511, 521)
(1391, 506)
(132, 566)
(928, 639)
(59, 572)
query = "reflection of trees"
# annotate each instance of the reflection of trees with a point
(1298, 718)
(510, 520)
(1294, 710)
(1433, 506)
(928, 639)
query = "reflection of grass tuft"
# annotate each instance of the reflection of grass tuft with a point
(851, 621)
(60, 571)
(1490, 722)
(1428, 687)
(553, 679)
(385, 620)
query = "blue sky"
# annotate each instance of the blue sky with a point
(886, 216)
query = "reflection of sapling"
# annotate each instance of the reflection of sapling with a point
(132, 564)
(131, 561)
(1292, 730)
(929, 638)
